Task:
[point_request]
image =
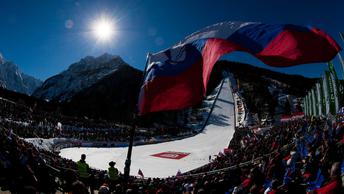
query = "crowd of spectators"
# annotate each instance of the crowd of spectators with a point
(303, 156)
(25, 168)
(22, 167)
(30, 123)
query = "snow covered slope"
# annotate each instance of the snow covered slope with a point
(211, 141)
(78, 76)
(13, 79)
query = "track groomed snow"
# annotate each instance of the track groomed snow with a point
(212, 140)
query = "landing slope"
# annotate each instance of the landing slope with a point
(214, 138)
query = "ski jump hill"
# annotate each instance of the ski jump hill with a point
(166, 159)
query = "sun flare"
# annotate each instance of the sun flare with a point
(103, 29)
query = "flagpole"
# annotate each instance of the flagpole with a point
(132, 134)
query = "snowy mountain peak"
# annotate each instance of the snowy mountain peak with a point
(10, 66)
(92, 63)
(13, 79)
(78, 76)
(106, 57)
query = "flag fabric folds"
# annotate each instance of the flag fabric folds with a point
(177, 77)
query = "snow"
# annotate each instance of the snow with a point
(212, 140)
(46, 144)
(78, 76)
(13, 79)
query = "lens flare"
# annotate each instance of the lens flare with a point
(103, 29)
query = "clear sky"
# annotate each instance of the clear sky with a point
(43, 37)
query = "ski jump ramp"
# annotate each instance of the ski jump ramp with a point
(166, 159)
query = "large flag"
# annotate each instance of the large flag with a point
(177, 77)
(305, 105)
(331, 92)
(323, 99)
(326, 93)
(337, 86)
(314, 102)
(308, 105)
(318, 95)
(311, 103)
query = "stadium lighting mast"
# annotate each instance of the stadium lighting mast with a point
(132, 133)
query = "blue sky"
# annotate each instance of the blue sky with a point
(44, 37)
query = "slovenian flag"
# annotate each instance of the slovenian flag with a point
(177, 77)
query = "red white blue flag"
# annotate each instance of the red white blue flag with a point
(177, 77)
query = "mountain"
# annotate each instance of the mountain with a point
(83, 74)
(105, 87)
(113, 97)
(13, 79)
(249, 73)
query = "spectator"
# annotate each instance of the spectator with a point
(104, 189)
(79, 187)
(112, 175)
(335, 183)
(84, 172)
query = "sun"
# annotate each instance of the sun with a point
(103, 29)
